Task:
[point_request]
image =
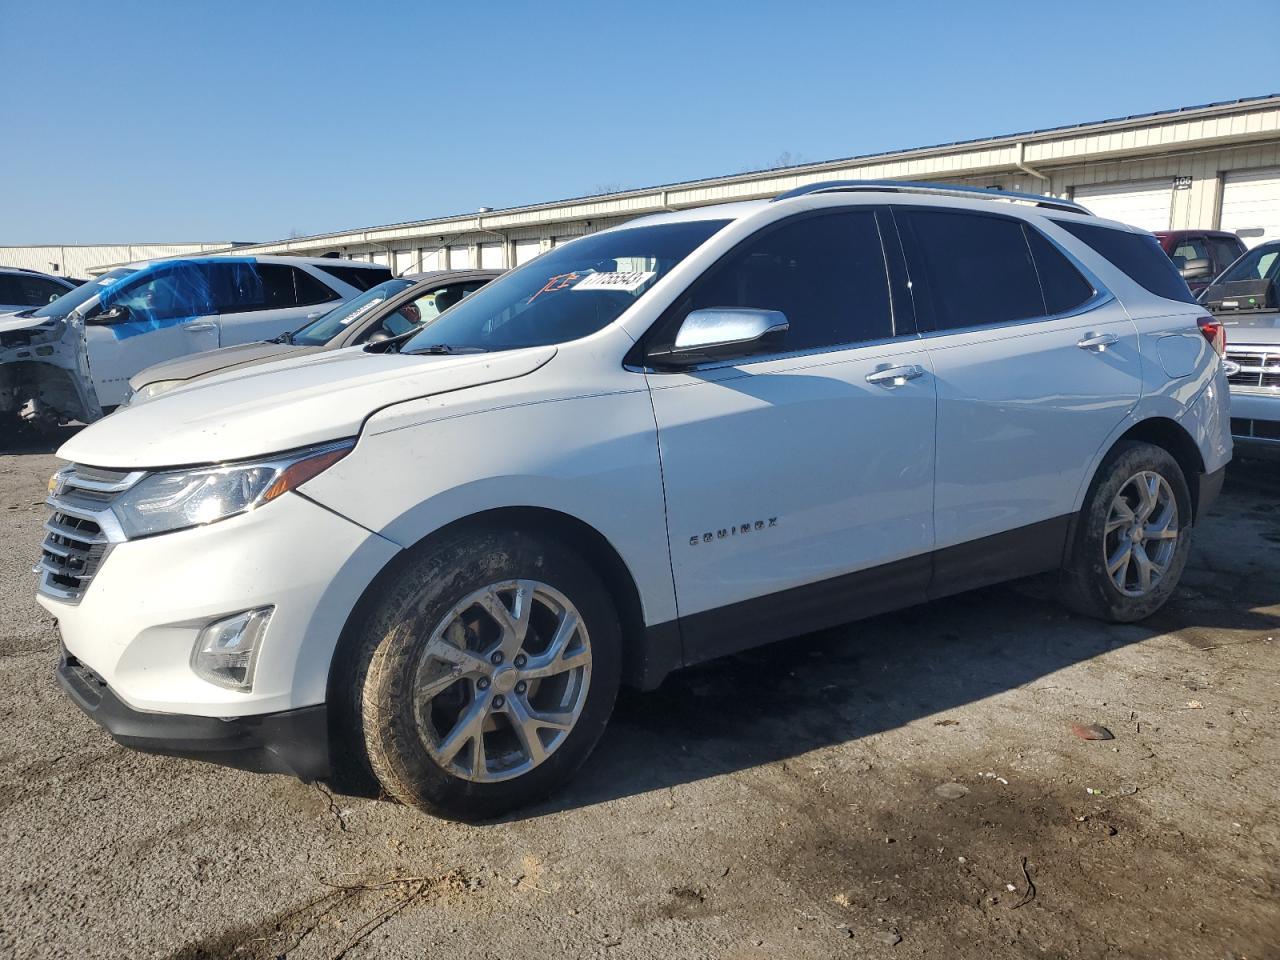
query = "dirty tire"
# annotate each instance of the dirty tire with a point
(1085, 586)
(413, 600)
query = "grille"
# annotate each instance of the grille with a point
(81, 529)
(1258, 368)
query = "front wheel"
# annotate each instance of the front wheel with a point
(1132, 536)
(486, 674)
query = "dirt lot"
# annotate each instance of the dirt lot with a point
(903, 787)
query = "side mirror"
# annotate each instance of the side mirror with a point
(1196, 269)
(378, 336)
(722, 333)
(118, 313)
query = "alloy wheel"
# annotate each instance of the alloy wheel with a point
(502, 680)
(1141, 534)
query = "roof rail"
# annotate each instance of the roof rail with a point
(946, 189)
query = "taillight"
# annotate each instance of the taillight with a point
(1215, 333)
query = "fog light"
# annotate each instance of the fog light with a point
(227, 650)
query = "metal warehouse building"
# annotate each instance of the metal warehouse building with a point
(1212, 166)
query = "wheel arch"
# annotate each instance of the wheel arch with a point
(1171, 436)
(638, 667)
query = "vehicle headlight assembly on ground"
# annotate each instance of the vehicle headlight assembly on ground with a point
(153, 389)
(176, 499)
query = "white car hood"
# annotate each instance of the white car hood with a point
(283, 405)
(10, 322)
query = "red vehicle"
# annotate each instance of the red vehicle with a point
(1200, 255)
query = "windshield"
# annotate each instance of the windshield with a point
(1260, 263)
(72, 299)
(323, 329)
(568, 293)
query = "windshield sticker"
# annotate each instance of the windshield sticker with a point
(626, 282)
(558, 282)
(361, 311)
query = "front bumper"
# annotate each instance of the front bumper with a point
(293, 741)
(136, 623)
(1255, 423)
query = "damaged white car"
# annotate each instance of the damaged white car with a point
(72, 359)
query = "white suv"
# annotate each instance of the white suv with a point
(654, 445)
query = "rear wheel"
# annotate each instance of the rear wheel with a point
(1132, 537)
(486, 674)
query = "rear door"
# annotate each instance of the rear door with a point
(799, 484)
(1036, 364)
(260, 301)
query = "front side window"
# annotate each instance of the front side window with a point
(826, 273)
(977, 268)
(568, 293)
(168, 291)
(25, 290)
(323, 329)
(425, 307)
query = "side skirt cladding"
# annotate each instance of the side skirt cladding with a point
(1026, 551)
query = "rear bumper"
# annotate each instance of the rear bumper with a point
(292, 741)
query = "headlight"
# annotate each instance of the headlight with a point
(152, 389)
(175, 499)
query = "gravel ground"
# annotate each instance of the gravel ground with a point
(907, 786)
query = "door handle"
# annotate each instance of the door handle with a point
(197, 327)
(1097, 341)
(895, 376)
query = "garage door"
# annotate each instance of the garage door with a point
(491, 256)
(526, 250)
(1144, 203)
(460, 258)
(405, 261)
(1251, 205)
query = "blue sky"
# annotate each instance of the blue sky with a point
(252, 120)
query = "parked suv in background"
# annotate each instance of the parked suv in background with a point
(1245, 298)
(22, 289)
(657, 444)
(72, 359)
(390, 309)
(1200, 255)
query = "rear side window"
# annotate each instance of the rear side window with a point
(978, 269)
(1225, 252)
(362, 278)
(826, 273)
(248, 287)
(1138, 255)
(1063, 286)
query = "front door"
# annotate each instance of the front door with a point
(809, 471)
(171, 312)
(1036, 366)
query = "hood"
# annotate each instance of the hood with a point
(1244, 329)
(215, 361)
(282, 405)
(10, 322)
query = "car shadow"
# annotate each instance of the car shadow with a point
(844, 684)
(19, 438)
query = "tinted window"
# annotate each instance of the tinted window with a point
(247, 286)
(978, 269)
(1138, 255)
(1189, 248)
(309, 290)
(362, 278)
(1224, 252)
(28, 291)
(1063, 286)
(826, 273)
(1260, 263)
(569, 292)
(167, 291)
